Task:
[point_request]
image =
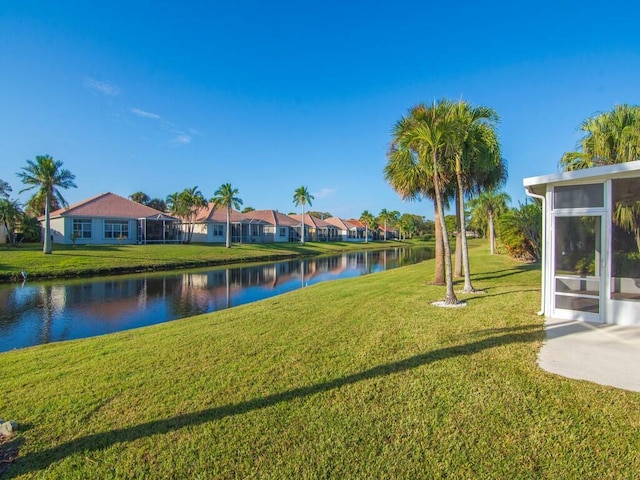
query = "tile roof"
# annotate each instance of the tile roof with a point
(219, 215)
(311, 221)
(108, 205)
(337, 222)
(272, 217)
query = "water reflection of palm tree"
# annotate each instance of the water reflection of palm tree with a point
(48, 311)
(228, 286)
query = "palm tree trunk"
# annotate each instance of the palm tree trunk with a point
(458, 255)
(385, 229)
(302, 226)
(228, 243)
(438, 278)
(468, 288)
(450, 297)
(47, 224)
(492, 234)
(366, 233)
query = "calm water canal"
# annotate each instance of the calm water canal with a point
(41, 312)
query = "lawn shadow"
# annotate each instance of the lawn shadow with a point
(37, 461)
(507, 272)
(472, 298)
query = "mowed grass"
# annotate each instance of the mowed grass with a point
(85, 260)
(357, 378)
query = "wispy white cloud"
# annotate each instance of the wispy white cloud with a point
(144, 114)
(181, 138)
(103, 88)
(324, 192)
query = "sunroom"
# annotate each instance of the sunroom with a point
(591, 243)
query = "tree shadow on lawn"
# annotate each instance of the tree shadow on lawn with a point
(507, 272)
(36, 461)
(480, 296)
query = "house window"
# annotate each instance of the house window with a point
(116, 229)
(81, 228)
(217, 230)
(579, 196)
(283, 232)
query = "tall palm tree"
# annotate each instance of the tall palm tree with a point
(301, 196)
(47, 176)
(226, 197)
(387, 217)
(407, 176)
(475, 149)
(369, 222)
(489, 206)
(425, 133)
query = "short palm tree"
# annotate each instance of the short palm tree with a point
(186, 205)
(10, 215)
(301, 196)
(490, 205)
(47, 176)
(226, 197)
(369, 223)
(387, 217)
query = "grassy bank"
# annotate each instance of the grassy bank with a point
(88, 260)
(358, 378)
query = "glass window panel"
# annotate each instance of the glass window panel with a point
(580, 304)
(625, 239)
(579, 196)
(577, 246)
(585, 286)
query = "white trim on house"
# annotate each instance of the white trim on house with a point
(594, 295)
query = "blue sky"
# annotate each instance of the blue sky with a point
(159, 96)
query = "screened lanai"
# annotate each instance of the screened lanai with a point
(591, 243)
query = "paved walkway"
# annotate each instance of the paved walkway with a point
(604, 354)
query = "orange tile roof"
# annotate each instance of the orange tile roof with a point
(337, 222)
(272, 217)
(219, 215)
(311, 221)
(108, 205)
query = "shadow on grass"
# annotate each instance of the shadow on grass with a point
(36, 461)
(480, 296)
(506, 272)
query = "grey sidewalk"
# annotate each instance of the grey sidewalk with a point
(604, 354)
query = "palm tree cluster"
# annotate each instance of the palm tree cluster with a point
(610, 138)
(443, 151)
(187, 205)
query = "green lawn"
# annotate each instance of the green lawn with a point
(358, 378)
(84, 260)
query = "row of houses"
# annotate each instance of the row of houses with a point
(109, 218)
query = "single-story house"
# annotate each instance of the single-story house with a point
(316, 229)
(347, 229)
(110, 218)
(211, 225)
(269, 226)
(590, 243)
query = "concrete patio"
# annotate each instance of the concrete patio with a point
(603, 354)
